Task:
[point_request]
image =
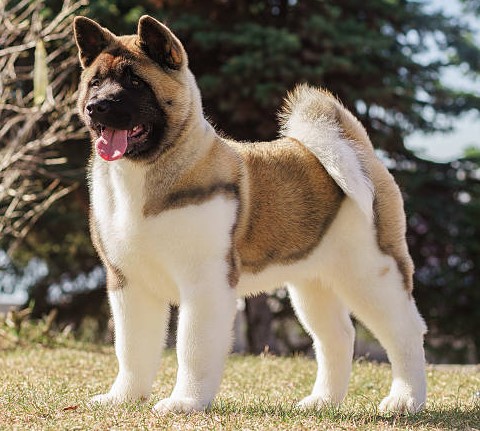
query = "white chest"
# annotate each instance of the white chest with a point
(117, 200)
(170, 247)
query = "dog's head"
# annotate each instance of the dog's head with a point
(135, 91)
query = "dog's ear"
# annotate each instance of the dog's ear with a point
(91, 39)
(160, 44)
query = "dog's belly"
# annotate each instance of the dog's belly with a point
(335, 261)
(280, 275)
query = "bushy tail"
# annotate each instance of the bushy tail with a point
(312, 116)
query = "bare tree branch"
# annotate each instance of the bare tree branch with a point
(31, 178)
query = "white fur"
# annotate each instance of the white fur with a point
(180, 256)
(140, 325)
(348, 272)
(322, 136)
(333, 338)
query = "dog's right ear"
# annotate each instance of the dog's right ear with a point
(91, 39)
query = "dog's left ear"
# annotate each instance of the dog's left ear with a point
(160, 44)
(91, 39)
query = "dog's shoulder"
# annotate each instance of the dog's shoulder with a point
(217, 171)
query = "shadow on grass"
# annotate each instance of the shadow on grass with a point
(457, 417)
(461, 416)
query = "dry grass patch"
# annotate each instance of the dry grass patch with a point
(47, 388)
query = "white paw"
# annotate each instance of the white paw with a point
(315, 402)
(178, 405)
(402, 403)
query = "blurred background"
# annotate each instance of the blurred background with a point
(407, 69)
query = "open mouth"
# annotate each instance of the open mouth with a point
(135, 135)
(113, 144)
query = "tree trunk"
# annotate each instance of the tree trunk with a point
(259, 325)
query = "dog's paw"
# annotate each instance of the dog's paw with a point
(314, 402)
(178, 405)
(400, 403)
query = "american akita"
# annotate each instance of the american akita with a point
(182, 215)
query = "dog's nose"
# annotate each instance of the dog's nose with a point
(98, 107)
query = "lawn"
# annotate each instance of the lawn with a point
(47, 388)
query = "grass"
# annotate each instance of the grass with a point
(46, 388)
(46, 381)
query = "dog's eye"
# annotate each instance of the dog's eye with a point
(95, 82)
(136, 81)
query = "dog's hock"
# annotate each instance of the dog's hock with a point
(160, 44)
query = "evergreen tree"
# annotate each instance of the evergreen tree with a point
(376, 56)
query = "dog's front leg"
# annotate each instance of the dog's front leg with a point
(204, 337)
(140, 321)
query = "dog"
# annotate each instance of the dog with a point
(181, 214)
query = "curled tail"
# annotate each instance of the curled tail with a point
(315, 118)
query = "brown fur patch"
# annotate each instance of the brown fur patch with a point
(293, 201)
(193, 181)
(234, 267)
(197, 195)
(384, 271)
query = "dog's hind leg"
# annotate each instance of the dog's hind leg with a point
(387, 309)
(372, 286)
(327, 320)
(140, 326)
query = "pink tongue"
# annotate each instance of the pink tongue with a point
(112, 144)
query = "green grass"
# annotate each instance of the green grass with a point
(45, 387)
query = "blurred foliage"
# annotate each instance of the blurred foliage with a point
(376, 56)
(43, 147)
(472, 6)
(17, 330)
(443, 207)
